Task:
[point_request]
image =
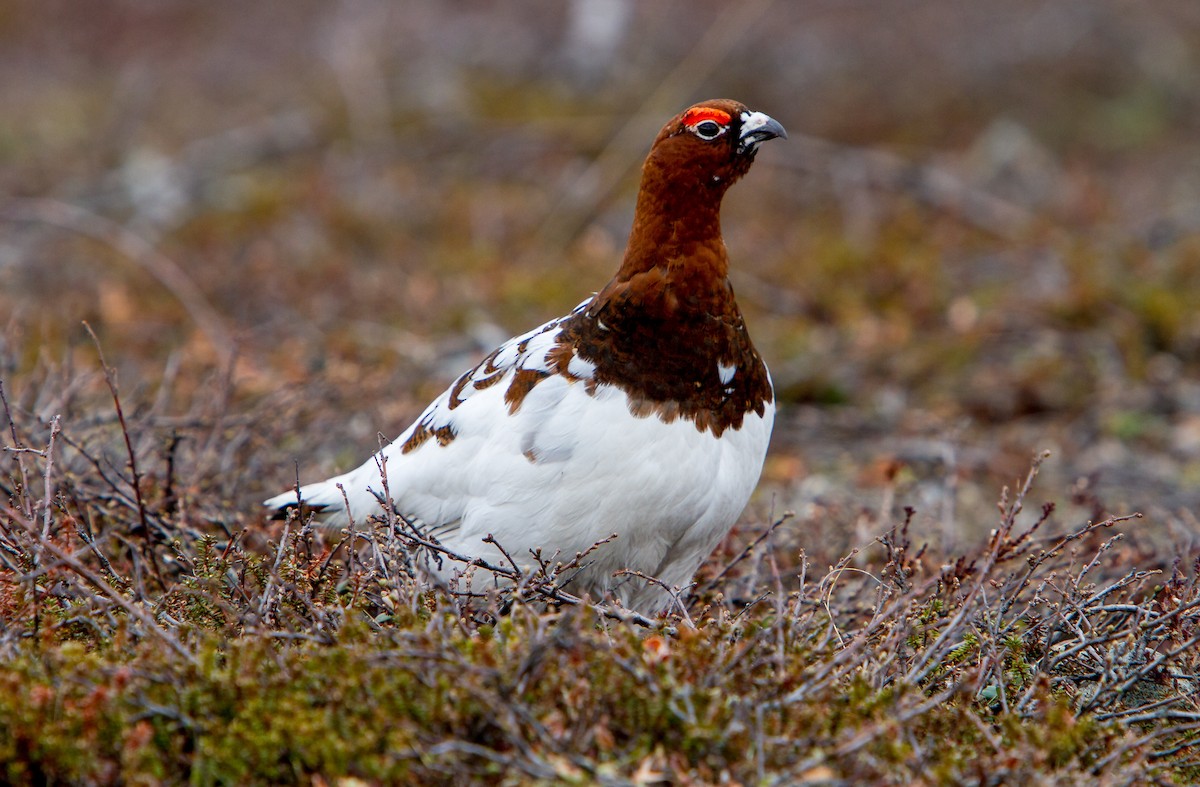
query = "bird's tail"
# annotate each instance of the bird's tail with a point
(326, 501)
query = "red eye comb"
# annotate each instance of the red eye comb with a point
(697, 115)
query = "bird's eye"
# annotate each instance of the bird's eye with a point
(709, 129)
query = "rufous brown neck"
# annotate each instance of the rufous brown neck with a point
(677, 223)
(667, 323)
(666, 329)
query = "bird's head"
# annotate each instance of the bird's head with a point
(710, 145)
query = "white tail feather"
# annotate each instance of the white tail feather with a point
(328, 501)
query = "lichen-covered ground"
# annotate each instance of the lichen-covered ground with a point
(282, 229)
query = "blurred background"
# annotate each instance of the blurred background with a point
(292, 224)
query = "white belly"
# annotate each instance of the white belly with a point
(570, 469)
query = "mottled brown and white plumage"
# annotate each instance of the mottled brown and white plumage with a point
(643, 412)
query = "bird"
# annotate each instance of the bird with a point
(643, 414)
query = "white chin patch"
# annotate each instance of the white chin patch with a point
(752, 122)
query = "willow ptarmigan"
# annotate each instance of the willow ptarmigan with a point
(644, 413)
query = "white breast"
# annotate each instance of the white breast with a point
(572, 468)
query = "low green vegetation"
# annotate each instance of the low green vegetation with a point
(142, 643)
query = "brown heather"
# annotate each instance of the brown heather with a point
(185, 651)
